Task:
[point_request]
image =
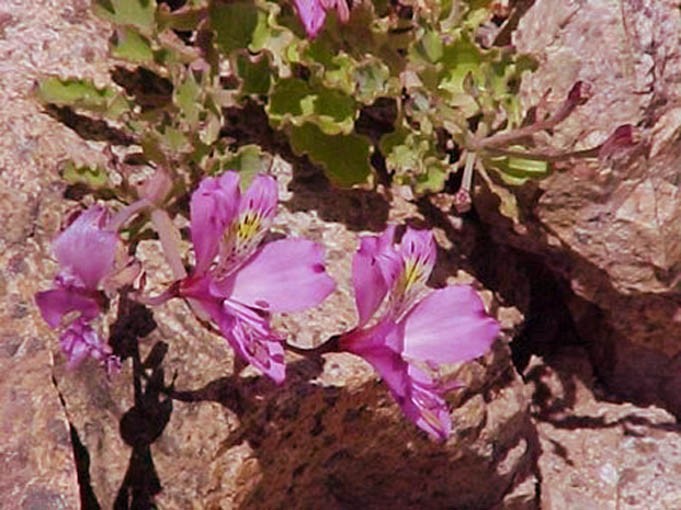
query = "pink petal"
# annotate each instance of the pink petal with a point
(250, 335)
(56, 303)
(368, 281)
(80, 340)
(85, 250)
(373, 268)
(311, 14)
(341, 7)
(418, 245)
(425, 407)
(449, 325)
(283, 276)
(413, 390)
(213, 206)
(261, 197)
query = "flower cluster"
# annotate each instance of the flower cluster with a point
(86, 252)
(239, 279)
(447, 325)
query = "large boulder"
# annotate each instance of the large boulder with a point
(610, 228)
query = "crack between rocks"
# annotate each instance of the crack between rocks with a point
(81, 458)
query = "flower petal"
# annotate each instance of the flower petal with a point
(80, 340)
(449, 325)
(250, 335)
(256, 211)
(56, 303)
(213, 206)
(413, 390)
(85, 250)
(418, 247)
(341, 7)
(283, 276)
(311, 14)
(261, 197)
(372, 270)
(425, 407)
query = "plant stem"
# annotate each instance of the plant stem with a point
(170, 240)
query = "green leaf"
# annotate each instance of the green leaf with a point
(138, 13)
(297, 102)
(234, 24)
(186, 96)
(431, 46)
(249, 160)
(459, 59)
(516, 170)
(130, 45)
(83, 94)
(94, 178)
(434, 177)
(345, 158)
(255, 74)
(371, 80)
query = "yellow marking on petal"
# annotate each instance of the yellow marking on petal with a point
(412, 273)
(249, 226)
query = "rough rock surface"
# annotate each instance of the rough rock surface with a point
(175, 427)
(331, 436)
(36, 454)
(610, 228)
(599, 453)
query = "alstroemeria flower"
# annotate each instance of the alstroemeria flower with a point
(85, 251)
(312, 13)
(417, 327)
(238, 281)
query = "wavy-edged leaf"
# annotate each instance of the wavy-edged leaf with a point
(345, 158)
(234, 24)
(138, 13)
(82, 94)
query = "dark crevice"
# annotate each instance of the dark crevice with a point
(81, 457)
(88, 128)
(88, 500)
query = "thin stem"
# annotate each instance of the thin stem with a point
(578, 95)
(122, 216)
(164, 296)
(170, 241)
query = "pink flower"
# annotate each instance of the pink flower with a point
(238, 281)
(312, 13)
(85, 252)
(415, 326)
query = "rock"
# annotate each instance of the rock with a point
(175, 427)
(610, 228)
(37, 454)
(598, 452)
(331, 436)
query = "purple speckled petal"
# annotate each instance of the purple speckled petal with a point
(419, 246)
(80, 341)
(85, 250)
(449, 325)
(261, 197)
(425, 406)
(250, 335)
(213, 206)
(283, 276)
